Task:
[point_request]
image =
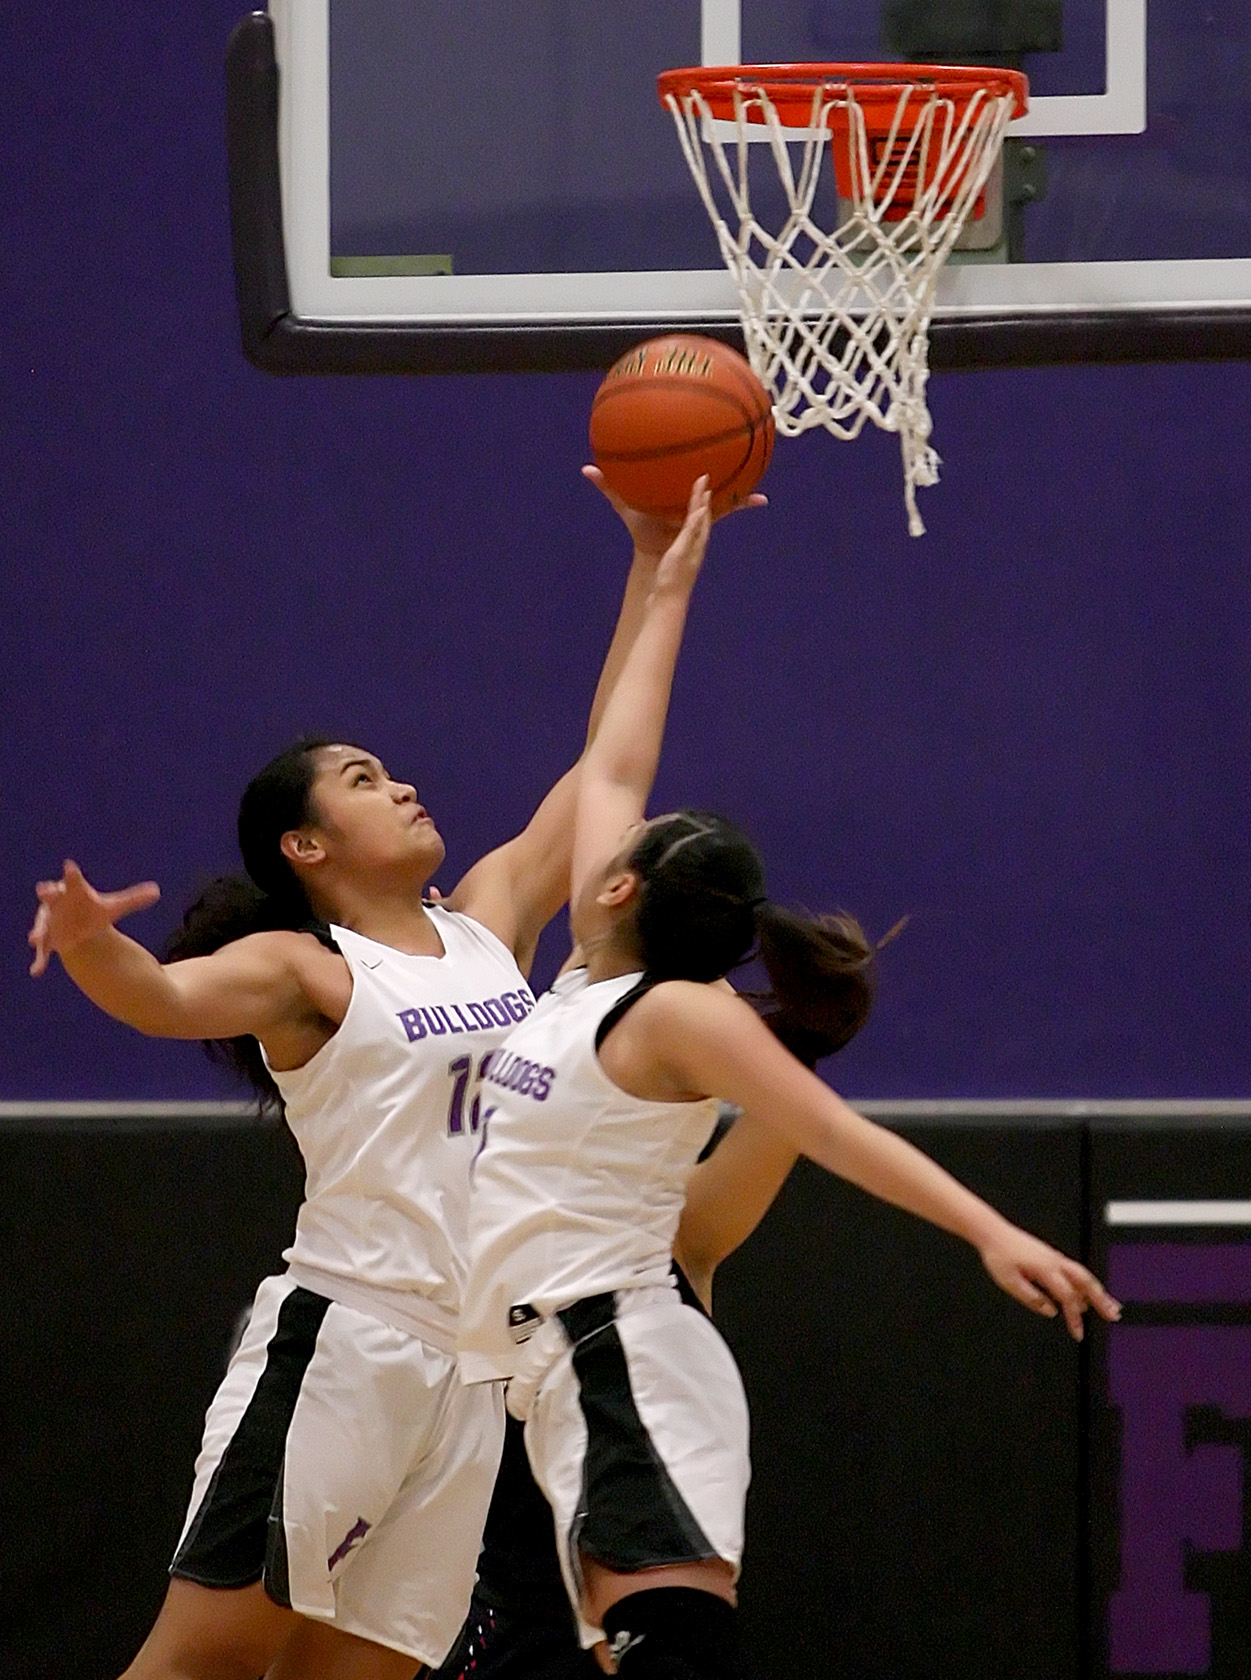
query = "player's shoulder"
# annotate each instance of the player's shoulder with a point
(290, 948)
(474, 925)
(484, 896)
(679, 1004)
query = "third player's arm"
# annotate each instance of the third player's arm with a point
(619, 766)
(728, 1195)
(250, 986)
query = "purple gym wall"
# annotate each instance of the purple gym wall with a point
(1028, 732)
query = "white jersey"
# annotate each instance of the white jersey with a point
(579, 1186)
(386, 1115)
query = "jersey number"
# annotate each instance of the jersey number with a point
(461, 1071)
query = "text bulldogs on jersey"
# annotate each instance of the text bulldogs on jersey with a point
(514, 1073)
(440, 1018)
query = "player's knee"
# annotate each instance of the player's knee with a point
(674, 1633)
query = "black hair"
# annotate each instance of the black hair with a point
(269, 897)
(702, 908)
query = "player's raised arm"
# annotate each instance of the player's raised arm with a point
(619, 766)
(517, 888)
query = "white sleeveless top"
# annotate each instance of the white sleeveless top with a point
(387, 1115)
(579, 1186)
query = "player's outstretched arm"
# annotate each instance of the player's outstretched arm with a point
(709, 1043)
(619, 766)
(254, 985)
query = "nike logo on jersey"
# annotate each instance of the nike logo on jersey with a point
(622, 1642)
(370, 965)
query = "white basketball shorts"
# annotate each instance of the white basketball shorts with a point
(638, 1436)
(346, 1466)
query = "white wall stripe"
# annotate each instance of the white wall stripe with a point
(1178, 1213)
(137, 1110)
(982, 1109)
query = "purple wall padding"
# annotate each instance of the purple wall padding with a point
(1029, 731)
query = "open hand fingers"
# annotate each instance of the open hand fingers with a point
(1070, 1288)
(1090, 1291)
(129, 899)
(1048, 1282)
(594, 476)
(692, 539)
(1107, 1306)
(755, 500)
(37, 937)
(1024, 1290)
(699, 507)
(71, 911)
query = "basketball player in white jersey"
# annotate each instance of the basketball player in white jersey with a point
(345, 1472)
(520, 1626)
(636, 1423)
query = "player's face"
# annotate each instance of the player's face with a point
(590, 917)
(366, 820)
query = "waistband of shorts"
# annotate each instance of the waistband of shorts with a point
(568, 1327)
(415, 1315)
(594, 1313)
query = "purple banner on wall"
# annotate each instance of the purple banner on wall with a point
(1180, 1272)
(1174, 1495)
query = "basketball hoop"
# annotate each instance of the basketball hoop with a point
(836, 317)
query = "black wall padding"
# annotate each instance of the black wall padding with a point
(127, 1256)
(938, 1472)
(1201, 1159)
(915, 1503)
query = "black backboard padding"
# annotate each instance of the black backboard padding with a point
(278, 341)
(971, 31)
(255, 188)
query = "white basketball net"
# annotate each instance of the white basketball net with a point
(837, 321)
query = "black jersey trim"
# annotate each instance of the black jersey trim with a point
(623, 1004)
(230, 1541)
(630, 1514)
(321, 932)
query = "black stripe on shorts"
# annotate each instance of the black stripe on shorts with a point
(631, 1514)
(237, 1534)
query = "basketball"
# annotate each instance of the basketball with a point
(672, 409)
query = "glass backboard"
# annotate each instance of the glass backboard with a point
(492, 185)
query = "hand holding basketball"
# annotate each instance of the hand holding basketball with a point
(72, 911)
(673, 409)
(651, 534)
(680, 563)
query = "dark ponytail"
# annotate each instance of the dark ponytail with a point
(269, 897)
(702, 907)
(821, 972)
